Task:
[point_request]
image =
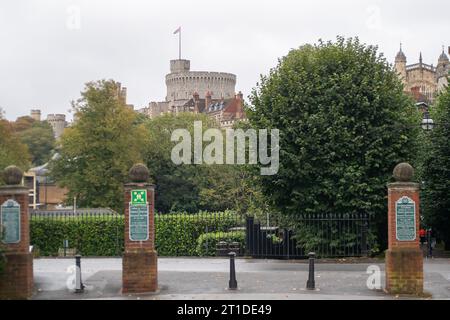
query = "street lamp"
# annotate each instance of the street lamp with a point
(427, 122)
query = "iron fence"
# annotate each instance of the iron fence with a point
(101, 233)
(328, 235)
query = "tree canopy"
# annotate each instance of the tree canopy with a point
(97, 152)
(13, 151)
(40, 141)
(344, 124)
(436, 171)
(192, 187)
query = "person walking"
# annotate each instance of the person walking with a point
(422, 235)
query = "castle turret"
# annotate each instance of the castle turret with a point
(400, 65)
(442, 70)
(58, 123)
(35, 115)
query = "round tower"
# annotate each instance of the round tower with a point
(182, 83)
(400, 65)
(58, 123)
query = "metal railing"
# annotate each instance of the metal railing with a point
(328, 235)
(101, 233)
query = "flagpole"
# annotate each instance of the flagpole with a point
(179, 46)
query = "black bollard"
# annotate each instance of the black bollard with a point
(79, 286)
(311, 283)
(232, 285)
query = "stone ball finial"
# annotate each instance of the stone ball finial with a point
(12, 175)
(403, 172)
(139, 173)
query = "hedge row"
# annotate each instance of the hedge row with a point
(176, 234)
(96, 236)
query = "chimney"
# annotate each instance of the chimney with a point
(208, 99)
(196, 100)
(240, 96)
(196, 96)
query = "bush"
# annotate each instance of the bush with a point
(177, 234)
(206, 243)
(93, 236)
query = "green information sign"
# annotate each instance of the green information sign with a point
(138, 222)
(139, 196)
(405, 216)
(10, 221)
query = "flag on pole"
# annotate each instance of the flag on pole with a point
(178, 30)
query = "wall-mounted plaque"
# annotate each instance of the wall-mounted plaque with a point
(138, 222)
(405, 219)
(10, 221)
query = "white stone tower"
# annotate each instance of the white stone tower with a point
(182, 83)
(58, 123)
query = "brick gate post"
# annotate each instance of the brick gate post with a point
(139, 263)
(404, 259)
(16, 281)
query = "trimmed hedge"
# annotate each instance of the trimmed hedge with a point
(176, 233)
(93, 236)
(206, 243)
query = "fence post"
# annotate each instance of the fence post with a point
(249, 235)
(364, 251)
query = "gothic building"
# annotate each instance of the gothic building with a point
(423, 81)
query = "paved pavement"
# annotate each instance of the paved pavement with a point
(191, 278)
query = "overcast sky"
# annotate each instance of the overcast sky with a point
(48, 51)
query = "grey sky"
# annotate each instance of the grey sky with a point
(45, 59)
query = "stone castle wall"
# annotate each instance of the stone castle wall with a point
(183, 85)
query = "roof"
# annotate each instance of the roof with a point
(400, 56)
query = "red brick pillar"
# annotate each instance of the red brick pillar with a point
(404, 260)
(139, 263)
(16, 282)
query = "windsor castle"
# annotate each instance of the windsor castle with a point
(423, 81)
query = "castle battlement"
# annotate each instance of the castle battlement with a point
(182, 83)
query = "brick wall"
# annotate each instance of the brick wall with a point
(16, 282)
(139, 263)
(404, 260)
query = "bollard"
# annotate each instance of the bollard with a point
(311, 284)
(232, 285)
(79, 286)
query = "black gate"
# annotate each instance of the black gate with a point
(334, 235)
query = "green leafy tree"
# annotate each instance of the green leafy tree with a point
(436, 172)
(40, 141)
(344, 124)
(177, 186)
(192, 187)
(23, 123)
(12, 150)
(97, 152)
